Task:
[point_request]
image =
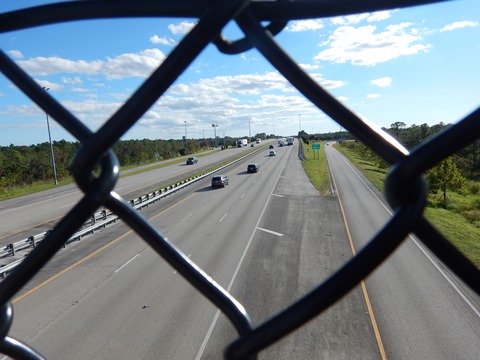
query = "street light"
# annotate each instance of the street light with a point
(52, 155)
(215, 133)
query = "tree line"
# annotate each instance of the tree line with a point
(451, 173)
(25, 165)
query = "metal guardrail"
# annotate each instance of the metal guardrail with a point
(102, 218)
(301, 153)
(405, 187)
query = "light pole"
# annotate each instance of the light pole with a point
(185, 130)
(300, 121)
(52, 154)
(215, 133)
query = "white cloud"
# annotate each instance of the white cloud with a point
(309, 66)
(365, 46)
(123, 66)
(379, 16)
(304, 25)
(16, 54)
(356, 19)
(458, 25)
(246, 84)
(373, 96)
(72, 81)
(80, 90)
(332, 84)
(350, 19)
(155, 39)
(181, 28)
(128, 65)
(382, 82)
(51, 86)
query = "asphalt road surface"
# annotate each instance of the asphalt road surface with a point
(34, 211)
(421, 310)
(268, 238)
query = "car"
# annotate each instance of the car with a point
(282, 144)
(192, 160)
(270, 147)
(272, 153)
(252, 145)
(253, 168)
(219, 181)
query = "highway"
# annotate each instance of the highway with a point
(421, 310)
(48, 206)
(268, 238)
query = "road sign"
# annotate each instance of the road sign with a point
(315, 146)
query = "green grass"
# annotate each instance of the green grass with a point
(459, 222)
(316, 168)
(30, 189)
(369, 169)
(458, 230)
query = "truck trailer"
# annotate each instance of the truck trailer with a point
(242, 142)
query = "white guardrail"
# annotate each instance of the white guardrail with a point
(100, 219)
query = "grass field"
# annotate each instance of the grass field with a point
(316, 168)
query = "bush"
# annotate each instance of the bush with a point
(474, 188)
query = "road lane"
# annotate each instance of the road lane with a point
(126, 303)
(298, 243)
(37, 209)
(419, 314)
(106, 300)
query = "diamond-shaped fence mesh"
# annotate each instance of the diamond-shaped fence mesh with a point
(405, 187)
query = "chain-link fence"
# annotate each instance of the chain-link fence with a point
(405, 187)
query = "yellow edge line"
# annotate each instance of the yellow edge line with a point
(93, 254)
(376, 331)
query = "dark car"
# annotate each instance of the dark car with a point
(220, 181)
(192, 160)
(270, 147)
(253, 168)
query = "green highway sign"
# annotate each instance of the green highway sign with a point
(315, 146)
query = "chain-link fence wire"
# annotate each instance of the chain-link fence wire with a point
(405, 187)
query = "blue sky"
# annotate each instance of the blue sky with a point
(417, 65)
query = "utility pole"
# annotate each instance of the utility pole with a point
(52, 154)
(215, 133)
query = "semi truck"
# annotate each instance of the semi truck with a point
(242, 142)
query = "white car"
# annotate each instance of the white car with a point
(272, 153)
